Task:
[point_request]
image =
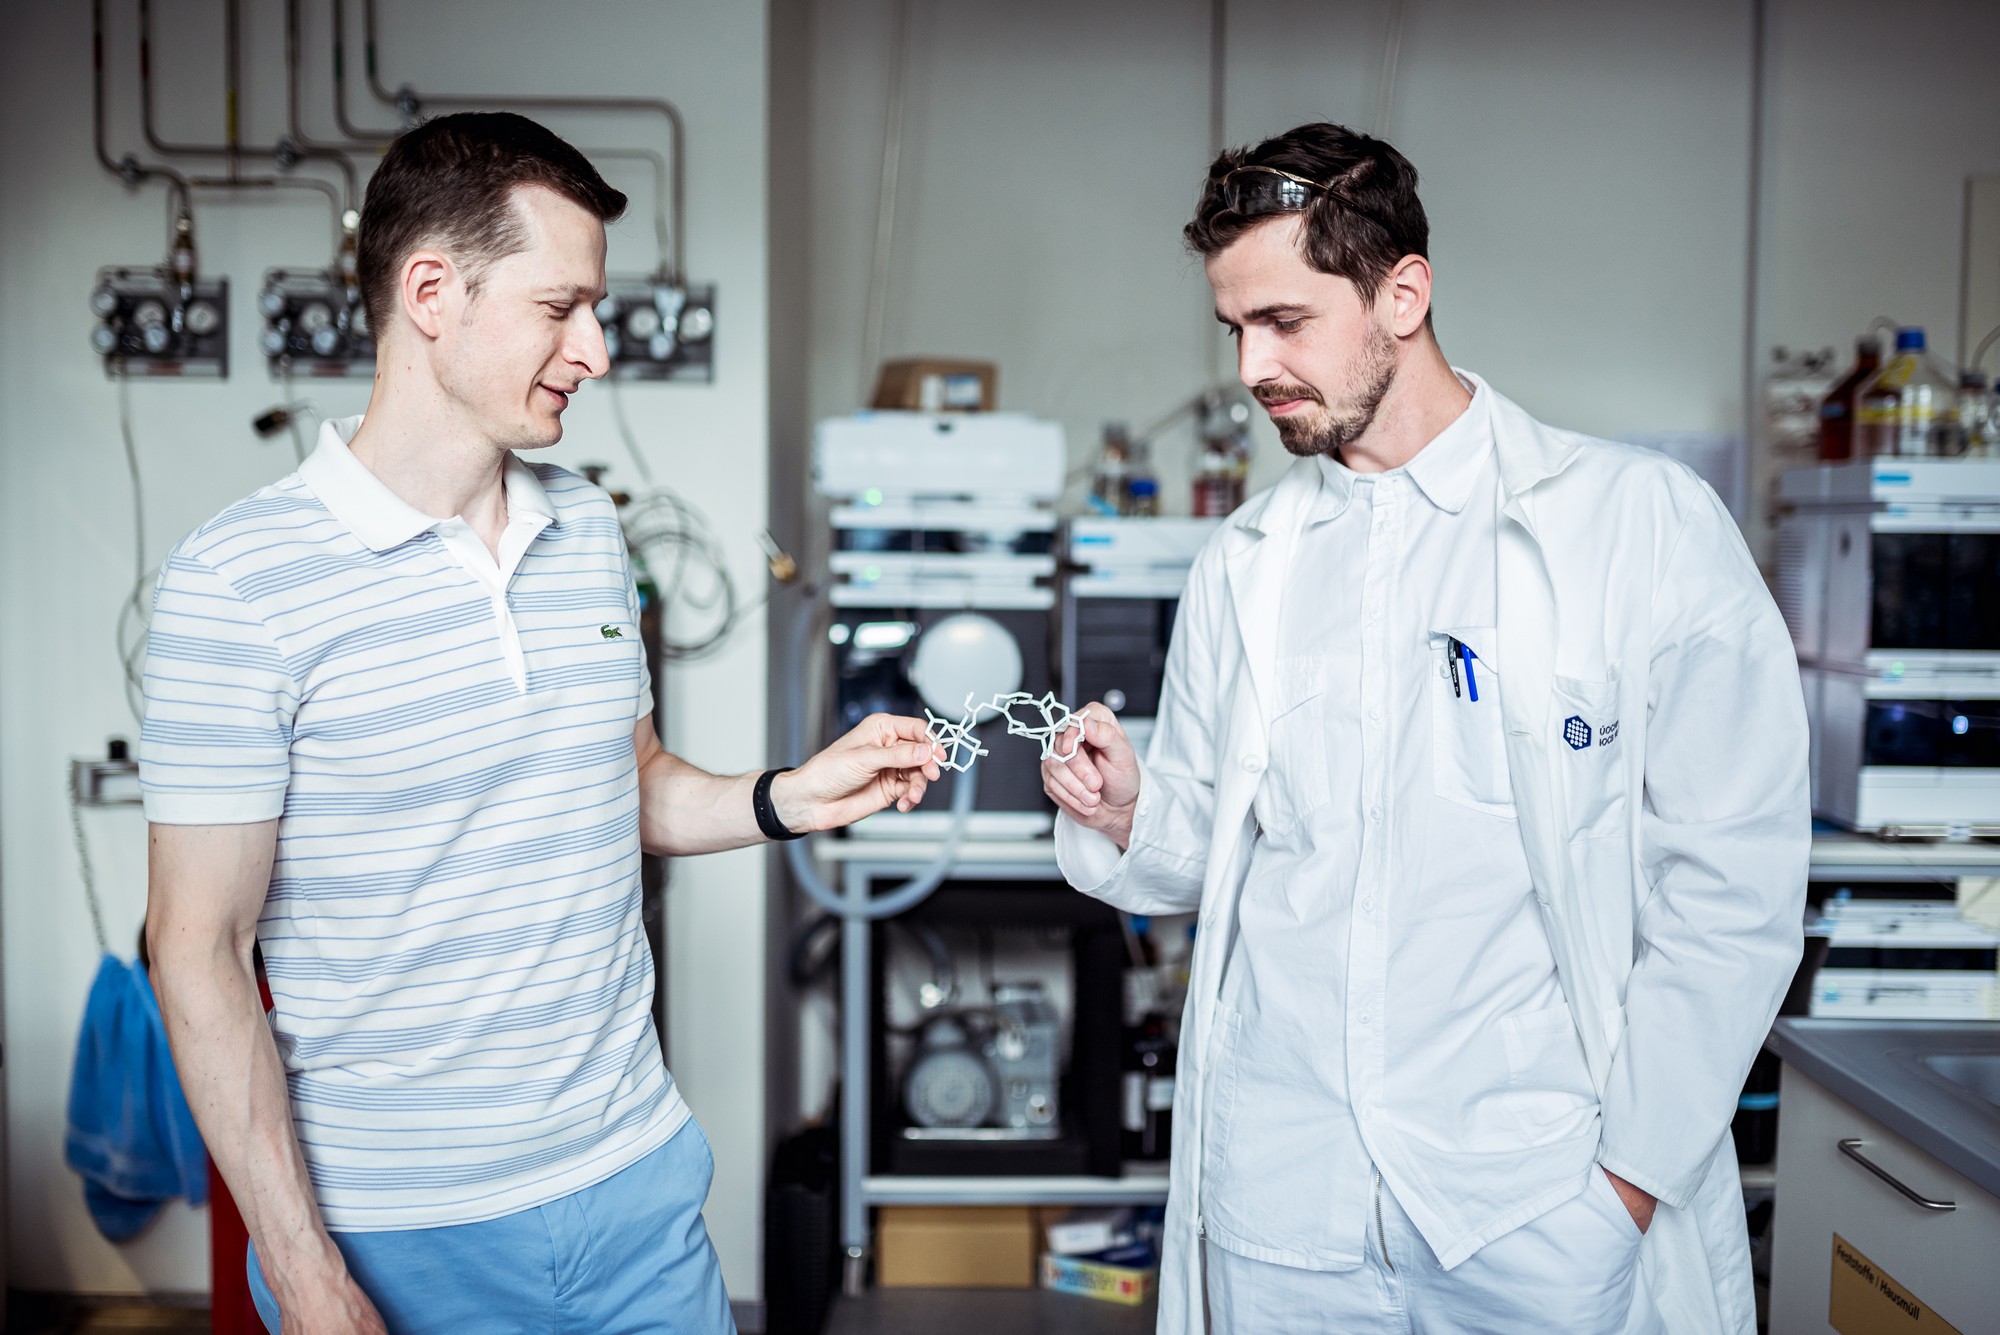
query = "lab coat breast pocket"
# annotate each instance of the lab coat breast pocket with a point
(1468, 741)
(1295, 781)
(1591, 757)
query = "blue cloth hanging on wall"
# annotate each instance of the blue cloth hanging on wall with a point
(131, 1135)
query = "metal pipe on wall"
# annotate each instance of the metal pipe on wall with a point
(673, 256)
(129, 169)
(294, 120)
(232, 148)
(376, 139)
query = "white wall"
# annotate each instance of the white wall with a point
(1879, 113)
(1584, 167)
(65, 538)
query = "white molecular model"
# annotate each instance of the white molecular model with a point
(961, 748)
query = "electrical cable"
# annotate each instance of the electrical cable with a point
(1985, 344)
(662, 526)
(89, 873)
(136, 612)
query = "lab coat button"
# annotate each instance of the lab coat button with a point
(1375, 813)
(1376, 713)
(1253, 764)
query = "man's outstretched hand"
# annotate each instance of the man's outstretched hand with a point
(1098, 787)
(885, 761)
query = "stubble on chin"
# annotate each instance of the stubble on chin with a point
(1325, 430)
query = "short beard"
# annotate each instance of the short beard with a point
(1326, 430)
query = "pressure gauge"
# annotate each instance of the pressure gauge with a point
(103, 302)
(201, 318)
(606, 311)
(104, 338)
(273, 340)
(271, 303)
(697, 323)
(150, 314)
(614, 346)
(641, 323)
(157, 338)
(325, 341)
(357, 320)
(660, 346)
(315, 316)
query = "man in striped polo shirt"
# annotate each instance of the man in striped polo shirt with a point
(398, 730)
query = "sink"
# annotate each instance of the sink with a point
(1976, 1072)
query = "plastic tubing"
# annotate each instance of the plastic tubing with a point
(798, 853)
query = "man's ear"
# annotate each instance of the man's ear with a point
(1407, 294)
(427, 276)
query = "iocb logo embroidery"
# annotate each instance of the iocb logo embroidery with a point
(1608, 733)
(1576, 732)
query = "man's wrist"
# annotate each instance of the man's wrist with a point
(790, 807)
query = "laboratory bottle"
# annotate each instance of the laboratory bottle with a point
(1147, 1088)
(1218, 482)
(1112, 471)
(1142, 497)
(1897, 409)
(1836, 410)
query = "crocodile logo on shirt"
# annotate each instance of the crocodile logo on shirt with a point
(611, 632)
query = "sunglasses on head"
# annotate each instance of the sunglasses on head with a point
(1254, 191)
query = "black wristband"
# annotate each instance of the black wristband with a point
(767, 815)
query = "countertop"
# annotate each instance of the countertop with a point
(1877, 1067)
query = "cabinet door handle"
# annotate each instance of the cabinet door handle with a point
(1852, 1149)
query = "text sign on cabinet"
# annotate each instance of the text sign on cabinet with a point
(1864, 1301)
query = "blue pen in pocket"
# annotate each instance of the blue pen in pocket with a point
(1461, 652)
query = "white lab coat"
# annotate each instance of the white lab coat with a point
(1669, 859)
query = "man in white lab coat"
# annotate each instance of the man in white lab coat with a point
(1481, 755)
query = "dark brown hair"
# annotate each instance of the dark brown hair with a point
(1363, 219)
(449, 183)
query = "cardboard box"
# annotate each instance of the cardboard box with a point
(1085, 1232)
(1129, 1285)
(937, 385)
(970, 1247)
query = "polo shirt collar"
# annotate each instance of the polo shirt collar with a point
(1444, 470)
(378, 516)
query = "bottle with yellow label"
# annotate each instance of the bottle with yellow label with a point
(1900, 409)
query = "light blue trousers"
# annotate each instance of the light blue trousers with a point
(629, 1256)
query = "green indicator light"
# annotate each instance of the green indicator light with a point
(872, 496)
(872, 573)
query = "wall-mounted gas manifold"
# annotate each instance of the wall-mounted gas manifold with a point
(161, 320)
(657, 330)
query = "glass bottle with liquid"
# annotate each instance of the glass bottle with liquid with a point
(1898, 409)
(1836, 410)
(1113, 470)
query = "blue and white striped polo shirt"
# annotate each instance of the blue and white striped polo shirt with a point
(452, 933)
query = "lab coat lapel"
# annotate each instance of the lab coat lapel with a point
(1530, 629)
(1261, 540)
